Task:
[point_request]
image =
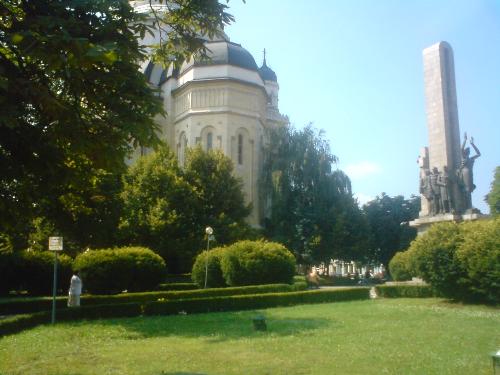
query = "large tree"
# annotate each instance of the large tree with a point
(167, 208)
(388, 219)
(493, 197)
(73, 102)
(310, 207)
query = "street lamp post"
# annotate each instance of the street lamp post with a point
(209, 232)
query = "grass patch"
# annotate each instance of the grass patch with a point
(386, 336)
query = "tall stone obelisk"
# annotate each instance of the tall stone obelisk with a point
(442, 164)
(442, 112)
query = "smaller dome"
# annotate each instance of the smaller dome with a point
(266, 73)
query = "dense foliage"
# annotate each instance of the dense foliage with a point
(460, 261)
(167, 208)
(209, 263)
(434, 258)
(257, 262)
(493, 197)
(479, 254)
(245, 263)
(388, 219)
(33, 271)
(114, 270)
(399, 266)
(73, 103)
(309, 205)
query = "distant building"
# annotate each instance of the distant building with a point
(225, 102)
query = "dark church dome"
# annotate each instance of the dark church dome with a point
(267, 73)
(223, 52)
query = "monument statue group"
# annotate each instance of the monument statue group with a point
(435, 185)
(446, 166)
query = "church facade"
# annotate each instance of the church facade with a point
(226, 103)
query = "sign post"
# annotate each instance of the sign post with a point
(55, 245)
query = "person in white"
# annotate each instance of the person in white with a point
(75, 290)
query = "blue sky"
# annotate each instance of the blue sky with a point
(354, 68)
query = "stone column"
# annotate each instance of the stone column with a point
(442, 116)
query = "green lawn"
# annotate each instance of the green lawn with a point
(384, 336)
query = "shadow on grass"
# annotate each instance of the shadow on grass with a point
(214, 327)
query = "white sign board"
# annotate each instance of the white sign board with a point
(55, 243)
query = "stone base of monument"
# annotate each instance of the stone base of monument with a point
(424, 223)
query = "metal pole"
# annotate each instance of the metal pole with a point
(54, 287)
(206, 261)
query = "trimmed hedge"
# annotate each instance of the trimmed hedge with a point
(29, 305)
(177, 286)
(33, 271)
(255, 301)
(405, 291)
(257, 262)
(178, 278)
(337, 281)
(109, 271)
(200, 305)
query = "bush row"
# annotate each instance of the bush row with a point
(405, 291)
(460, 261)
(102, 271)
(29, 305)
(33, 271)
(111, 271)
(244, 263)
(177, 286)
(199, 305)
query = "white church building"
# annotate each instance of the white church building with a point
(226, 102)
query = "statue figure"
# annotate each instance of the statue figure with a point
(75, 290)
(443, 183)
(425, 186)
(465, 177)
(436, 196)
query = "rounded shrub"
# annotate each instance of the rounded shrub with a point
(400, 267)
(257, 262)
(433, 257)
(479, 254)
(36, 271)
(212, 262)
(109, 271)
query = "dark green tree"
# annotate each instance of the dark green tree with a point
(309, 206)
(493, 197)
(219, 195)
(167, 208)
(388, 219)
(157, 207)
(73, 102)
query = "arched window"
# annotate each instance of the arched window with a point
(240, 149)
(209, 141)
